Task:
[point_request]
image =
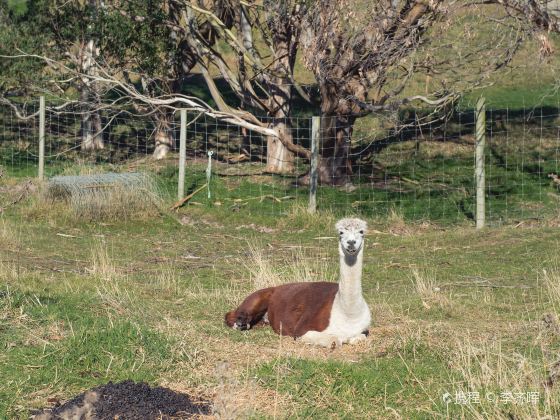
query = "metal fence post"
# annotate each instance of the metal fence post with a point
(182, 154)
(41, 138)
(313, 176)
(479, 163)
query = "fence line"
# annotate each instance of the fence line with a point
(424, 171)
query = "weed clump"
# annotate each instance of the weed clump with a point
(106, 196)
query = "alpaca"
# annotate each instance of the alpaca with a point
(320, 313)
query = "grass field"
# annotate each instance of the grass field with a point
(465, 323)
(455, 312)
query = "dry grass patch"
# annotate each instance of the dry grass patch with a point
(45, 335)
(26, 331)
(9, 237)
(426, 287)
(10, 272)
(298, 217)
(296, 266)
(396, 224)
(110, 289)
(243, 398)
(167, 280)
(101, 263)
(9, 313)
(214, 367)
(447, 149)
(551, 280)
(510, 385)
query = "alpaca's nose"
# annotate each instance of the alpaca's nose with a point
(351, 243)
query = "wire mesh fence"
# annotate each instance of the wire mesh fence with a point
(19, 151)
(423, 171)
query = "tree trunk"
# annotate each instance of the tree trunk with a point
(278, 158)
(338, 116)
(92, 136)
(163, 135)
(334, 166)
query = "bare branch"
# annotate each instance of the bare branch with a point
(174, 102)
(22, 115)
(394, 105)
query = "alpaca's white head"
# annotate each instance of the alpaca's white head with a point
(351, 235)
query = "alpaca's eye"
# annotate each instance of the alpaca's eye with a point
(340, 233)
(361, 232)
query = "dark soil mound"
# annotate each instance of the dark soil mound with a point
(127, 401)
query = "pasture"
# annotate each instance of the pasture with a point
(465, 323)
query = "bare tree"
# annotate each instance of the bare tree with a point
(364, 54)
(180, 59)
(542, 16)
(86, 59)
(68, 31)
(352, 56)
(164, 22)
(283, 24)
(263, 85)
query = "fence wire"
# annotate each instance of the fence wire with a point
(424, 171)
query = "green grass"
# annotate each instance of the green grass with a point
(412, 179)
(61, 342)
(144, 299)
(85, 303)
(358, 387)
(518, 97)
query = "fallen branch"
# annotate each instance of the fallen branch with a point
(240, 174)
(261, 198)
(182, 201)
(489, 285)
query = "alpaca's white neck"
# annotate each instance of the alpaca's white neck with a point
(350, 285)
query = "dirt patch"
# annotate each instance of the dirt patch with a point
(126, 401)
(261, 229)
(190, 221)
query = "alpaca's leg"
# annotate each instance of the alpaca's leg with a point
(251, 311)
(321, 339)
(357, 338)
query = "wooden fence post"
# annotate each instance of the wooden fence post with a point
(182, 154)
(313, 175)
(41, 138)
(479, 163)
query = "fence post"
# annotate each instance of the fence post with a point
(209, 172)
(41, 138)
(315, 138)
(182, 154)
(479, 162)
